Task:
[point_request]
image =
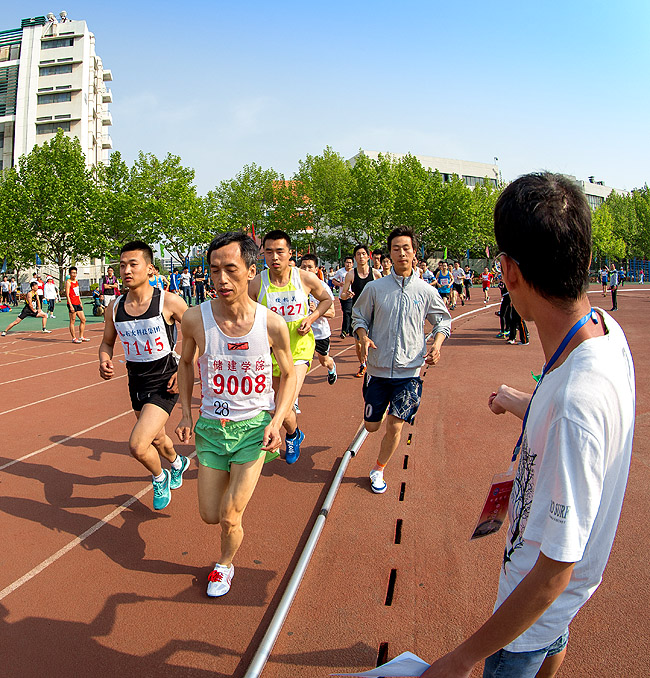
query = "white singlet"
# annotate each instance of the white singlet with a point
(236, 372)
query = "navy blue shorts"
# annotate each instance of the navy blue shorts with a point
(400, 396)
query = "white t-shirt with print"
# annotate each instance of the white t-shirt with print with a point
(321, 327)
(571, 478)
(459, 275)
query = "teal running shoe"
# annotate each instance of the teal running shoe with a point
(177, 476)
(162, 494)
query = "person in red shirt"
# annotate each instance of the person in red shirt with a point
(75, 309)
(486, 281)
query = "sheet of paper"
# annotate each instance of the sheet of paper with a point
(404, 666)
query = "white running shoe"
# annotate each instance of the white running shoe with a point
(219, 580)
(377, 483)
(46, 331)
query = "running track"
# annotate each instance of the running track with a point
(93, 581)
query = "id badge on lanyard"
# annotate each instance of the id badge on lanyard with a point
(496, 504)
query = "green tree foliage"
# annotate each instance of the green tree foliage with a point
(169, 211)
(58, 201)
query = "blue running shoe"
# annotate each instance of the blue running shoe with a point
(293, 448)
(162, 493)
(177, 476)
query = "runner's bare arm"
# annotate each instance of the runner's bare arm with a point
(522, 608)
(108, 344)
(175, 307)
(190, 326)
(67, 295)
(279, 341)
(346, 292)
(313, 285)
(507, 399)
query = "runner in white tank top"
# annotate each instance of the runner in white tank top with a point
(233, 336)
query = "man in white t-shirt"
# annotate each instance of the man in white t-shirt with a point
(346, 304)
(577, 439)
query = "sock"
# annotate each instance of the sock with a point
(378, 466)
(293, 435)
(160, 478)
(177, 464)
(333, 370)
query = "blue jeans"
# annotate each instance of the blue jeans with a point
(504, 664)
(187, 294)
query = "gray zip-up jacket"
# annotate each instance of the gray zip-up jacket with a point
(392, 310)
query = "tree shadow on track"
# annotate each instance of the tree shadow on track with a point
(59, 485)
(39, 646)
(123, 545)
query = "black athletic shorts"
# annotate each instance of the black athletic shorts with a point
(76, 307)
(401, 396)
(322, 346)
(444, 295)
(28, 312)
(140, 396)
(458, 287)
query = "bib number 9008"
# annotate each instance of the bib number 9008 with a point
(233, 384)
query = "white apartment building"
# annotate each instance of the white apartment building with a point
(51, 78)
(470, 172)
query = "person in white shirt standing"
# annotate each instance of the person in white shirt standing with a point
(51, 294)
(576, 442)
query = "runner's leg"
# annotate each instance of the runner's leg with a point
(551, 665)
(391, 439)
(73, 315)
(82, 324)
(149, 441)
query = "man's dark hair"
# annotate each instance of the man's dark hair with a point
(33, 283)
(276, 235)
(402, 231)
(139, 246)
(72, 268)
(377, 252)
(247, 247)
(310, 257)
(361, 247)
(545, 217)
(385, 257)
(295, 261)
(348, 258)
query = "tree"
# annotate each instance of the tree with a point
(412, 199)
(484, 200)
(17, 240)
(58, 201)
(169, 211)
(325, 183)
(604, 240)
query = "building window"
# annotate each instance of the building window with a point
(62, 42)
(595, 201)
(8, 89)
(52, 127)
(66, 59)
(56, 98)
(9, 52)
(65, 115)
(64, 86)
(55, 70)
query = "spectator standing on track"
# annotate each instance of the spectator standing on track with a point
(622, 276)
(576, 440)
(346, 304)
(32, 309)
(604, 275)
(613, 286)
(199, 285)
(388, 320)
(285, 290)
(51, 295)
(75, 309)
(321, 327)
(175, 282)
(41, 289)
(232, 336)
(6, 290)
(504, 311)
(13, 288)
(186, 286)
(145, 320)
(110, 287)
(355, 281)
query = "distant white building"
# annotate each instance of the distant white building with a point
(470, 172)
(51, 78)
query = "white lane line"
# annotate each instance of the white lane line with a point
(59, 395)
(476, 310)
(42, 374)
(75, 542)
(40, 357)
(64, 440)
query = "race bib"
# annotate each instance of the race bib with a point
(234, 382)
(287, 305)
(146, 343)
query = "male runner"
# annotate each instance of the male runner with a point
(110, 286)
(321, 327)
(425, 273)
(346, 304)
(145, 320)
(285, 290)
(388, 320)
(355, 281)
(486, 281)
(75, 309)
(232, 336)
(458, 275)
(376, 259)
(444, 282)
(32, 309)
(467, 281)
(386, 265)
(576, 442)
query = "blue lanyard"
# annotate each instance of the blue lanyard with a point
(560, 349)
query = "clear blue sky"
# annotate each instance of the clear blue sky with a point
(555, 85)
